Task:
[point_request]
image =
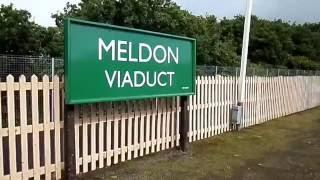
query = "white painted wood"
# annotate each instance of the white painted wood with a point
(212, 113)
(252, 100)
(164, 121)
(266, 98)
(215, 105)
(93, 122)
(280, 95)
(153, 125)
(108, 134)
(168, 122)
(116, 132)
(256, 115)
(159, 114)
(102, 120)
(265, 110)
(23, 126)
(173, 119)
(269, 98)
(202, 106)
(11, 126)
(218, 104)
(205, 102)
(85, 122)
(229, 99)
(222, 104)
(194, 113)
(250, 103)
(260, 99)
(276, 85)
(142, 123)
(178, 120)
(57, 127)
(228, 103)
(255, 92)
(35, 122)
(46, 121)
(245, 104)
(77, 138)
(124, 116)
(275, 98)
(148, 128)
(227, 109)
(135, 133)
(130, 127)
(209, 97)
(190, 106)
(198, 107)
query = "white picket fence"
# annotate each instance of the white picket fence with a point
(31, 130)
(30, 140)
(266, 98)
(107, 133)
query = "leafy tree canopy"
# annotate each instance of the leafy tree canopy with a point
(272, 43)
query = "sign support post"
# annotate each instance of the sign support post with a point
(184, 124)
(69, 143)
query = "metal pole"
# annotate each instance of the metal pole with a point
(216, 70)
(245, 45)
(52, 67)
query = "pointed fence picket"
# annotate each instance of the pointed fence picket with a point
(266, 98)
(31, 138)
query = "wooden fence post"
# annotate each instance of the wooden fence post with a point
(69, 135)
(184, 125)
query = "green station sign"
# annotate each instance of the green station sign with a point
(109, 63)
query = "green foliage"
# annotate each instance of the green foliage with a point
(301, 62)
(272, 43)
(19, 35)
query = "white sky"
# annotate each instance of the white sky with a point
(294, 10)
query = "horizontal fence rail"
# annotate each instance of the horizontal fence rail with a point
(30, 135)
(31, 124)
(266, 98)
(108, 133)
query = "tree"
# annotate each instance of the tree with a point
(272, 43)
(17, 32)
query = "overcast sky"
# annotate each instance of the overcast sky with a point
(290, 10)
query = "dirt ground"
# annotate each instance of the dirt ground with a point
(286, 148)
